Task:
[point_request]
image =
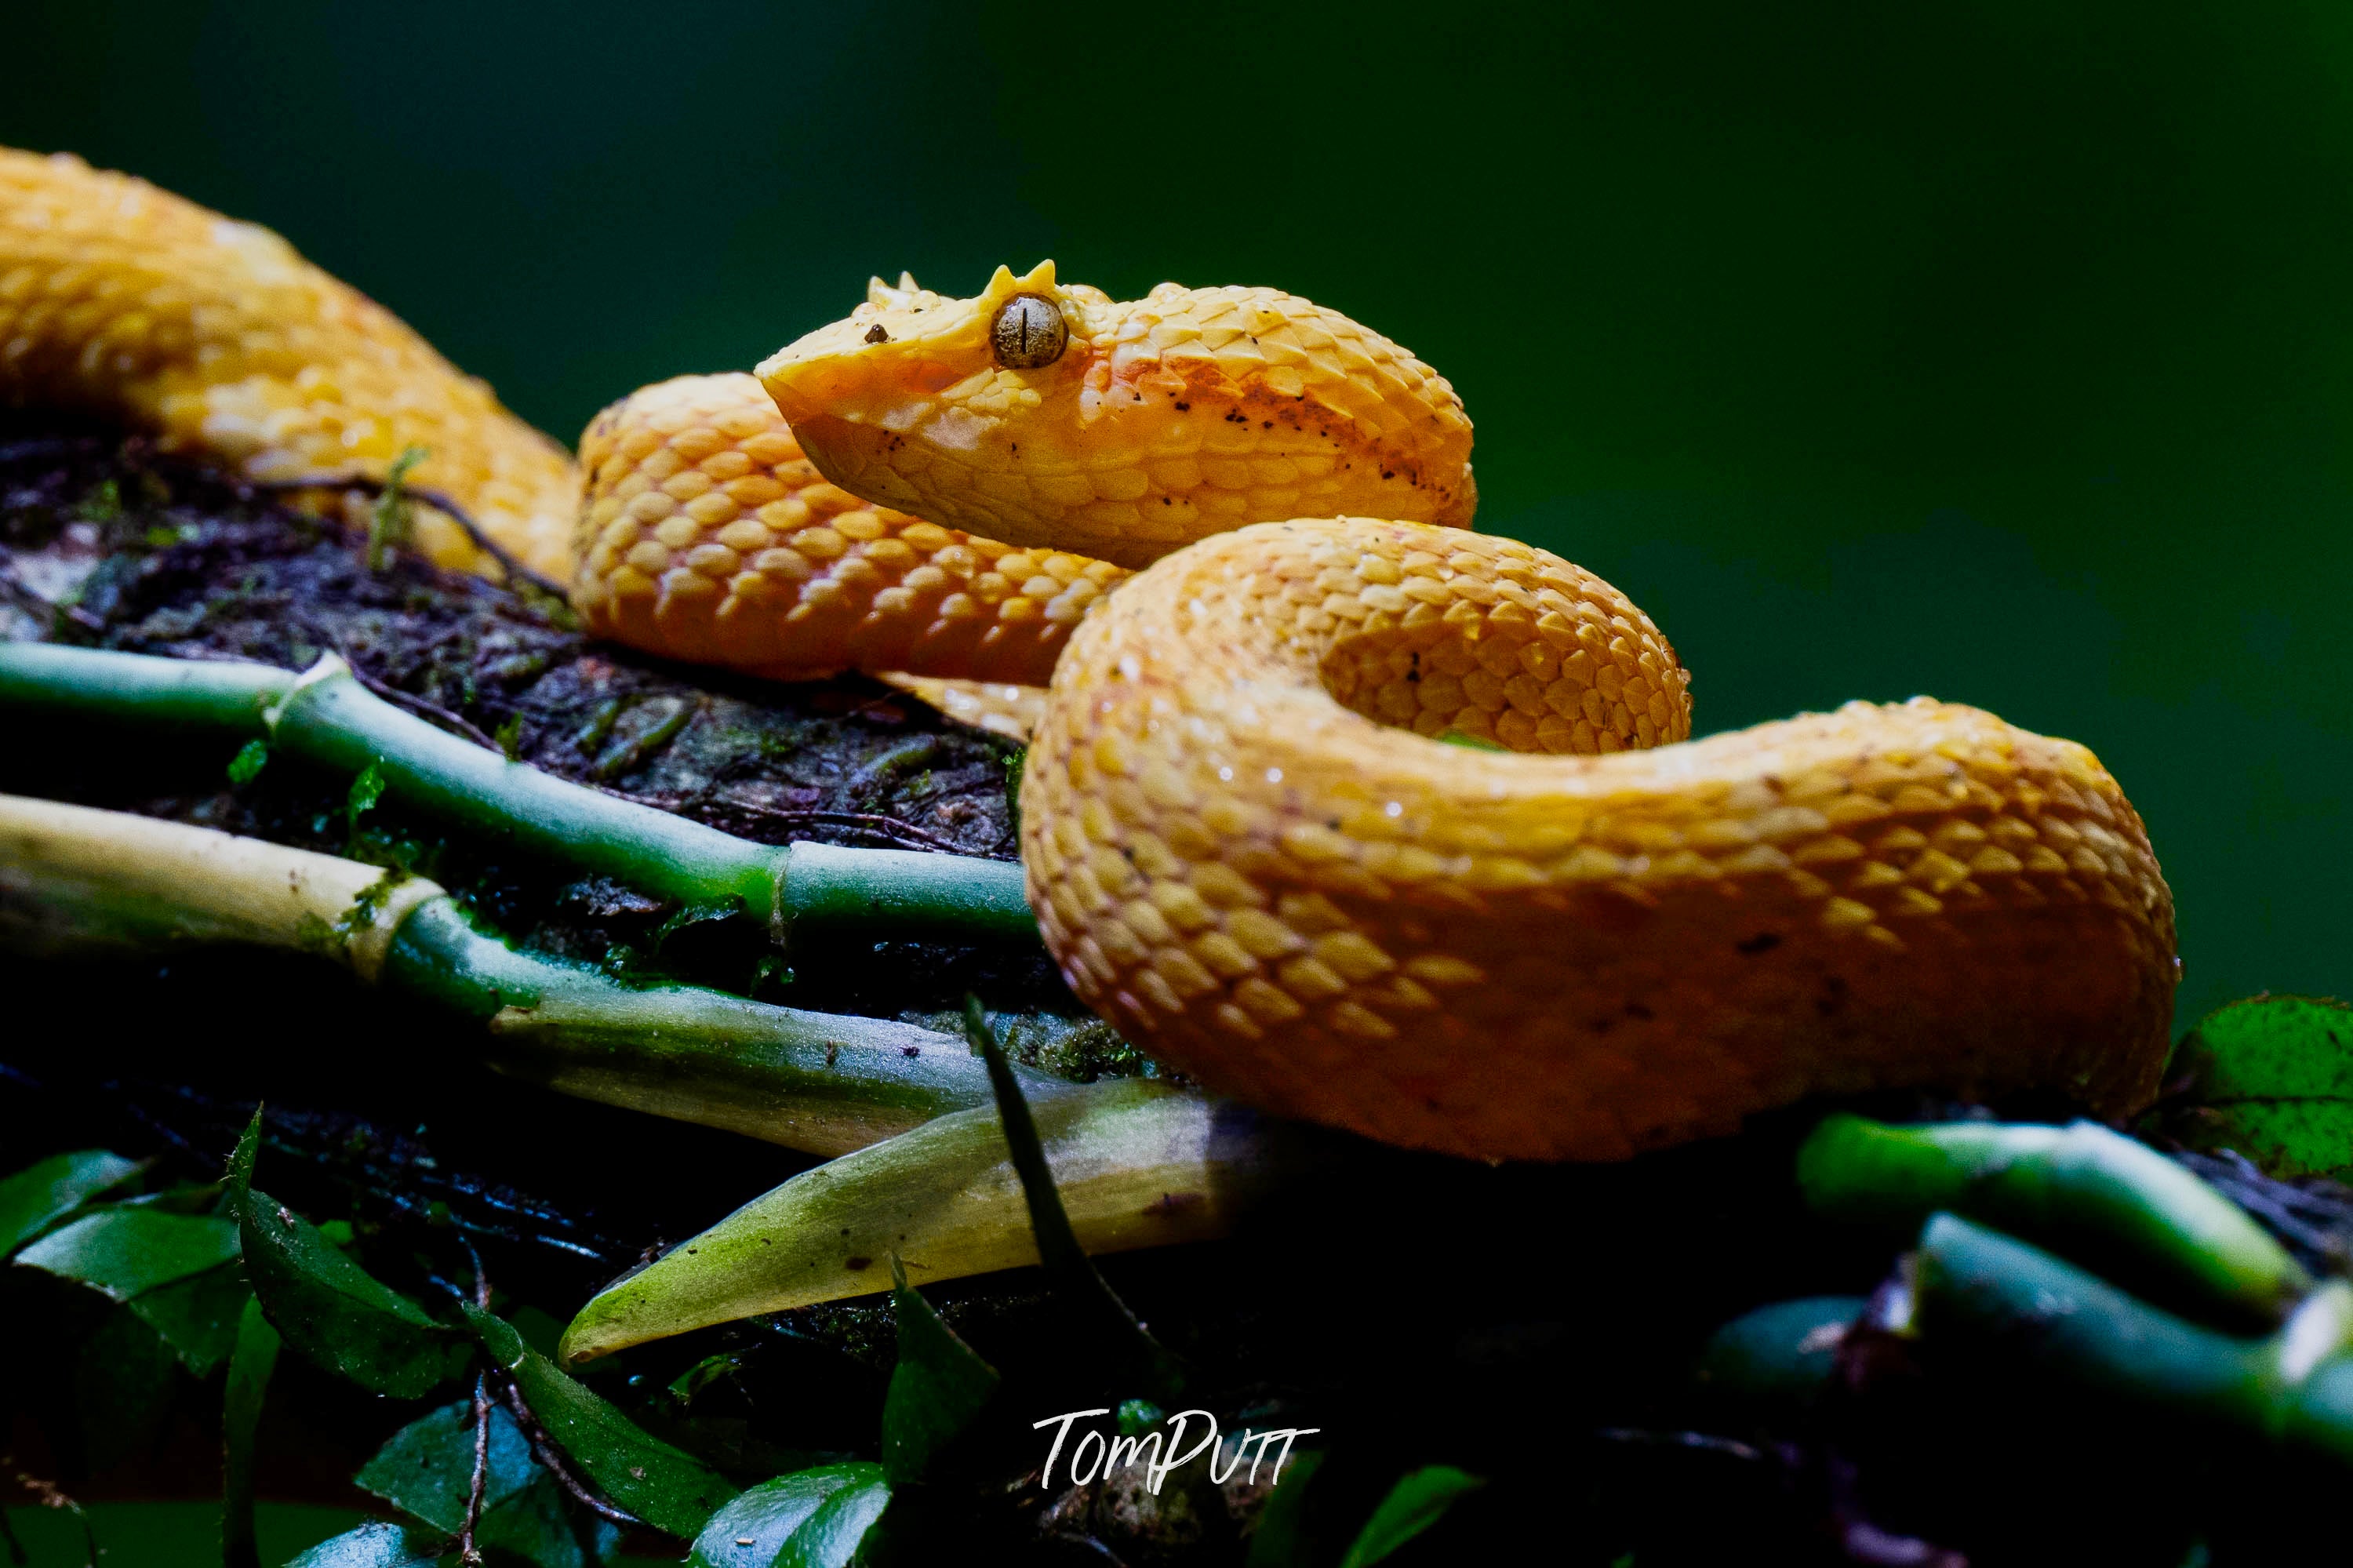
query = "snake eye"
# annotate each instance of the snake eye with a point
(1029, 332)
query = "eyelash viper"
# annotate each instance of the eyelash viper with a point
(1241, 842)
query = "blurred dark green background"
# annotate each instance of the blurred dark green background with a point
(1997, 351)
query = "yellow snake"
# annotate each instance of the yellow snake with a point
(1243, 843)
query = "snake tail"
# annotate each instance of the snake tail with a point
(133, 303)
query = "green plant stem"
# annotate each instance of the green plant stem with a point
(1779, 1358)
(326, 717)
(2296, 1385)
(2115, 1205)
(76, 877)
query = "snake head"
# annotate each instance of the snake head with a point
(914, 379)
(1041, 413)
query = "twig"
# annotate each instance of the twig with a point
(468, 1553)
(517, 574)
(549, 1455)
(1875, 1547)
(1701, 1442)
(48, 446)
(18, 589)
(432, 713)
(896, 829)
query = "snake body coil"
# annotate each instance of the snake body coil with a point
(1242, 844)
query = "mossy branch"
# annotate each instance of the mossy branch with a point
(328, 718)
(71, 876)
(2294, 1385)
(2097, 1194)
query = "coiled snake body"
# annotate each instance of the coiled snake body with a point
(1243, 843)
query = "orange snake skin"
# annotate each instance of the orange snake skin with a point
(1244, 846)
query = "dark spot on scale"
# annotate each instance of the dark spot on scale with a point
(1183, 408)
(876, 334)
(1385, 473)
(855, 1264)
(1333, 823)
(1266, 424)
(910, 1050)
(1763, 942)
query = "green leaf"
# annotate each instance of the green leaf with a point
(1471, 742)
(1067, 1264)
(254, 1358)
(247, 765)
(126, 1252)
(2272, 1078)
(1281, 1538)
(1143, 1163)
(124, 1378)
(810, 1518)
(198, 1316)
(666, 1487)
(40, 1196)
(938, 1386)
(427, 1471)
(379, 1543)
(329, 1308)
(1413, 1505)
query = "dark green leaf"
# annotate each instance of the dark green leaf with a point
(255, 1357)
(2272, 1078)
(40, 1196)
(122, 1387)
(831, 1536)
(667, 1488)
(379, 1543)
(938, 1386)
(810, 1518)
(1282, 1539)
(1413, 1505)
(197, 1316)
(126, 1252)
(427, 1471)
(1065, 1262)
(328, 1308)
